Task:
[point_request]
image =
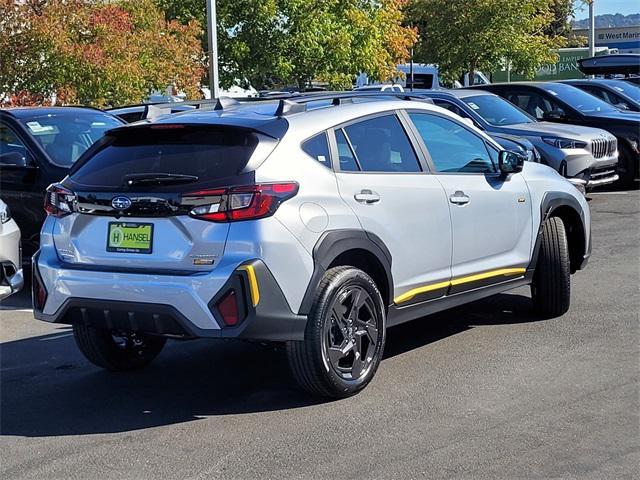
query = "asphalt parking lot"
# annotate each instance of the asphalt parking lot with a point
(483, 391)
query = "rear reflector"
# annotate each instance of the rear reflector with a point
(228, 308)
(39, 293)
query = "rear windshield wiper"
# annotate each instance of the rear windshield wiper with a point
(158, 178)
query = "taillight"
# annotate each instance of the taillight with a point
(58, 201)
(245, 202)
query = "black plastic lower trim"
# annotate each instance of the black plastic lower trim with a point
(270, 320)
(402, 314)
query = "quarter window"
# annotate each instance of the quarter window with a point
(376, 145)
(318, 148)
(452, 147)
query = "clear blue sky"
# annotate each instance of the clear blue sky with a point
(608, 6)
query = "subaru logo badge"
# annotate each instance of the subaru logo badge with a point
(121, 203)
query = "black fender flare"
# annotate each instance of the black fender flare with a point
(333, 243)
(552, 201)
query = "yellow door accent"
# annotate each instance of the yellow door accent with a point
(493, 273)
(253, 283)
(405, 297)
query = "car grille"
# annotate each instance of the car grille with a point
(603, 147)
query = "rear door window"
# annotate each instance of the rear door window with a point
(381, 145)
(208, 153)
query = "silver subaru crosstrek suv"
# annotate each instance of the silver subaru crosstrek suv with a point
(317, 222)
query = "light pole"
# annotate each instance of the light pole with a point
(592, 30)
(212, 35)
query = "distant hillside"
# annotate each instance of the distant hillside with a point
(608, 20)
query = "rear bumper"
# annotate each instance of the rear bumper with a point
(170, 305)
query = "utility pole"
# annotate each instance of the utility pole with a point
(212, 35)
(411, 70)
(592, 30)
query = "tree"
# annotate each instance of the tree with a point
(296, 41)
(100, 53)
(476, 35)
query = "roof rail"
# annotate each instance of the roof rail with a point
(298, 104)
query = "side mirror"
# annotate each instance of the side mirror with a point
(510, 162)
(554, 115)
(14, 159)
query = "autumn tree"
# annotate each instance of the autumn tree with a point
(481, 34)
(98, 53)
(296, 41)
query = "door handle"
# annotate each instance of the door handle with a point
(367, 196)
(459, 198)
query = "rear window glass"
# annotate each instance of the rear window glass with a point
(203, 152)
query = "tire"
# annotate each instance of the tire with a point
(551, 287)
(319, 362)
(130, 351)
(627, 166)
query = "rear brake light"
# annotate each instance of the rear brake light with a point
(246, 202)
(58, 201)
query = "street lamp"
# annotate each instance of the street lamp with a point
(212, 35)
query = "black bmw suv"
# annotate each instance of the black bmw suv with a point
(562, 103)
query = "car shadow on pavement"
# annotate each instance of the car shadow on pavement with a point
(48, 389)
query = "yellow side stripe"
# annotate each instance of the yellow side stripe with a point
(253, 283)
(482, 276)
(405, 297)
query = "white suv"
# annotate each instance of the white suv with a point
(317, 222)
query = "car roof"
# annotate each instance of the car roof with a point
(456, 92)
(28, 112)
(321, 113)
(587, 81)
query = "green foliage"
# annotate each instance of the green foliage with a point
(98, 53)
(466, 36)
(267, 42)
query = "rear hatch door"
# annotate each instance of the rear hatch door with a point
(130, 209)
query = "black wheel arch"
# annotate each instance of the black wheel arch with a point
(358, 248)
(568, 209)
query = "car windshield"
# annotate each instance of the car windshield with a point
(579, 99)
(497, 111)
(626, 88)
(67, 135)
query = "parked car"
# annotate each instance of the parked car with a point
(37, 147)
(386, 87)
(317, 227)
(622, 95)
(561, 103)
(11, 277)
(135, 113)
(516, 144)
(573, 151)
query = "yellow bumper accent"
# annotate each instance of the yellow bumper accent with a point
(405, 297)
(253, 283)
